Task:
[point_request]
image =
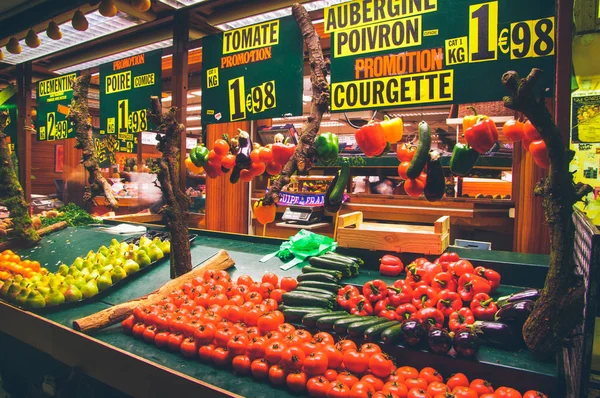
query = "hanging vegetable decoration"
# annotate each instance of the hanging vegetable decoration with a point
(371, 139)
(79, 21)
(53, 31)
(264, 214)
(199, 155)
(419, 160)
(463, 159)
(13, 46)
(107, 8)
(334, 196)
(532, 140)
(393, 129)
(513, 130)
(282, 151)
(327, 147)
(435, 186)
(472, 120)
(32, 40)
(482, 136)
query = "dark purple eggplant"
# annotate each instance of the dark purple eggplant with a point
(528, 294)
(517, 311)
(465, 343)
(499, 335)
(435, 187)
(412, 332)
(242, 157)
(439, 340)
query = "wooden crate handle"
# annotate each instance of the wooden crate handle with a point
(442, 225)
(349, 219)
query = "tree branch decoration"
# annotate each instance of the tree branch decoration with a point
(177, 203)
(11, 191)
(305, 154)
(560, 306)
(79, 116)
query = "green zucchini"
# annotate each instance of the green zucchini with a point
(326, 322)
(296, 314)
(310, 320)
(321, 292)
(392, 334)
(318, 276)
(330, 264)
(335, 192)
(341, 326)
(373, 333)
(331, 287)
(358, 328)
(306, 299)
(418, 162)
(309, 269)
(346, 259)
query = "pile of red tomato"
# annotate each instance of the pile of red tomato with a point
(449, 291)
(413, 187)
(237, 324)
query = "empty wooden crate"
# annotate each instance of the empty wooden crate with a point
(353, 232)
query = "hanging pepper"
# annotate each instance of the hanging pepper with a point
(199, 155)
(400, 293)
(424, 297)
(390, 265)
(460, 319)
(405, 311)
(393, 129)
(483, 307)
(470, 284)
(449, 302)
(264, 214)
(482, 136)
(492, 277)
(375, 290)
(463, 159)
(327, 146)
(282, 152)
(371, 139)
(471, 120)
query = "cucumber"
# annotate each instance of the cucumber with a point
(330, 264)
(373, 333)
(341, 326)
(346, 259)
(296, 314)
(358, 328)
(392, 334)
(310, 320)
(418, 162)
(335, 191)
(318, 276)
(326, 322)
(321, 292)
(306, 299)
(309, 269)
(331, 287)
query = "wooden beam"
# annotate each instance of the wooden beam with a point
(24, 103)
(181, 38)
(228, 12)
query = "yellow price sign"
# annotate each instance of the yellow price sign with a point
(261, 97)
(123, 116)
(138, 121)
(531, 39)
(483, 32)
(236, 99)
(55, 129)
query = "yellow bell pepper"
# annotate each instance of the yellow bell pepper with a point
(393, 129)
(471, 120)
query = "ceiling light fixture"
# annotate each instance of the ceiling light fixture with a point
(194, 128)
(192, 118)
(194, 108)
(267, 16)
(180, 3)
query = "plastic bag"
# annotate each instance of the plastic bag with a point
(301, 246)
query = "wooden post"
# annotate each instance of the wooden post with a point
(23, 126)
(181, 37)
(140, 151)
(563, 57)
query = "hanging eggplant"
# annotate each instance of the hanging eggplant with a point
(242, 156)
(334, 196)
(435, 187)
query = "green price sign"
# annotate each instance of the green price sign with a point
(8, 102)
(396, 53)
(53, 98)
(125, 89)
(254, 72)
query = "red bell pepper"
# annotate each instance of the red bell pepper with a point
(470, 284)
(424, 297)
(460, 268)
(460, 319)
(346, 294)
(405, 311)
(371, 139)
(380, 306)
(375, 290)
(430, 317)
(482, 136)
(444, 281)
(448, 257)
(390, 265)
(492, 277)
(483, 307)
(448, 302)
(400, 293)
(432, 270)
(416, 276)
(359, 305)
(282, 152)
(389, 313)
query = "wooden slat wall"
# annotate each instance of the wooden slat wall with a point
(42, 165)
(226, 203)
(73, 175)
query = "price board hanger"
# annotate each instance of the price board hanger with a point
(53, 98)
(254, 72)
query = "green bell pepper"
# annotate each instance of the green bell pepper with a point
(327, 147)
(463, 159)
(199, 155)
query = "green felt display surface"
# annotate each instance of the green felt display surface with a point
(246, 252)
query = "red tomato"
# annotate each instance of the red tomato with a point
(355, 361)
(292, 358)
(481, 386)
(238, 344)
(345, 345)
(205, 352)
(316, 363)
(507, 392)
(396, 388)
(417, 393)
(288, 284)
(265, 155)
(266, 288)
(241, 364)
(513, 130)
(277, 375)
(257, 169)
(138, 330)
(534, 394)
(436, 388)
(274, 168)
(189, 347)
(222, 336)
(402, 169)
(260, 368)
(221, 147)
(149, 333)
(274, 352)
(270, 321)
(338, 390)
(334, 355)
(161, 339)
(381, 365)
(221, 356)
(277, 294)
(414, 187)
(228, 161)
(254, 155)
(214, 158)
(323, 338)
(457, 380)
(245, 280)
(431, 375)
(286, 328)
(309, 347)
(416, 382)
(465, 392)
(296, 381)
(318, 386)
(270, 277)
(362, 389)
(370, 348)
(373, 380)
(347, 378)
(331, 374)
(128, 323)
(246, 175)
(407, 372)
(405, 152)
(174, 341)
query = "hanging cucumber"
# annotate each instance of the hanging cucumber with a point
(335, 192)
(418, 162)
(435, 187)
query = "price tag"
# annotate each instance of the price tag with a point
(52, 104)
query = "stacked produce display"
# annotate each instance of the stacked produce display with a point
(26, 284)
(313, 335)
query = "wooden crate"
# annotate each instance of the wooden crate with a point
(423, 239)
